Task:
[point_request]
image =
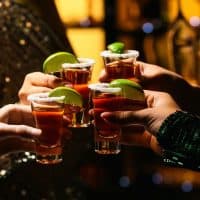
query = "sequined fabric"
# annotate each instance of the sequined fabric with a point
(25, 41)
(179, 136)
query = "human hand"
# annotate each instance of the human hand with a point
(16, 129)
(16, 119)
(153, 77)
(159, 106)
(37, 82)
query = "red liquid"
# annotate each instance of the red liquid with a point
(112, 103)
(50, 122)
(102, 105)
(83, 90)
(120, 72)
(76, 76)
(79, 116)
(120, 68)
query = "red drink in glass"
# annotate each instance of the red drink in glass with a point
(119, 65)
(48, 114)
(105, 104)
(109, 99)
(78, 73)
(106, 136)
(109, 103)
(77, 76)
(44, 118)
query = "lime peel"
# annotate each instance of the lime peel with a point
(71, 96)
(54, 62)
(116, 47)
(130, 89)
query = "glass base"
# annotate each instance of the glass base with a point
(48, 159)
(48, 155)
(107, 147)
(79, 125)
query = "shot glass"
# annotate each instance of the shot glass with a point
(106, 136)
(119, 65)
(78, 76)
(48, 115)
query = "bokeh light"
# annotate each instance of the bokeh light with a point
(186, 186)
(148, 27)
(157, 178)
(124, 181)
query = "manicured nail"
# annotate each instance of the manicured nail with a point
(36, 131)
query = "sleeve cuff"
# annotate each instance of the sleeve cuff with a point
(179, 136)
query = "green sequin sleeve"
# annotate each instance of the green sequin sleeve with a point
(179, 136)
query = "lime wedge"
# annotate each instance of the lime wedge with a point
(54, 62)
(130, 89)
(116, 47)
(71, 96)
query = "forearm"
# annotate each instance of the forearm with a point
(179, 136)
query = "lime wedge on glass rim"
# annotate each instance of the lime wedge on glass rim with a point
(116, 47)
(71, 96)
(130, 89)
(53, 63)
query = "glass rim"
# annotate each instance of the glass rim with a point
(83, 62)
(43, 97)
(104, 87)
(126, 54)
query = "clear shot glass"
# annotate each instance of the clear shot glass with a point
(119, 65)
(48, 115)
(78, 76)
(106, 136)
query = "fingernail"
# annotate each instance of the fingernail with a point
(36, 131)
(105, 115)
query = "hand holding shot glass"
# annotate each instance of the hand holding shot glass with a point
(119, 95)
(118, 62)
(48, 114)
(49, 110)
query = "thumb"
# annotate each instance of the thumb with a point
(126, 118)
